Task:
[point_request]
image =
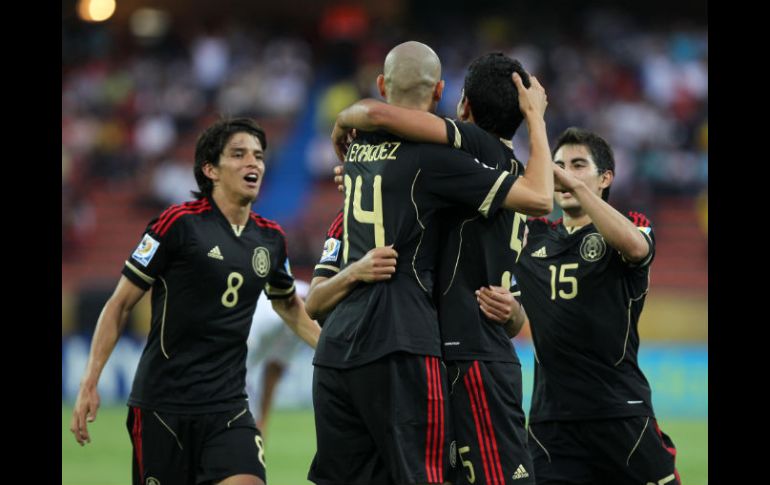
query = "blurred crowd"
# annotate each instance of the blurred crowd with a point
(131, 111)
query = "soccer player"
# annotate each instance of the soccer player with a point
(378, 382)
(271, 345)
(584, 279)
(207, 263)
(477, 258)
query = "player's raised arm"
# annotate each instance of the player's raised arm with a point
(110, 325)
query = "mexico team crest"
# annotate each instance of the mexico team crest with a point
(261, 261)
(593, 247)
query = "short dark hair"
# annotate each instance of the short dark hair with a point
(492, 95)
(598, 147)
(212, 142)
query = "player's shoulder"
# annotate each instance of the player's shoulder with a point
(543, 224)
(266, 225)
(336, 227)
(641, 221)
(177, 214)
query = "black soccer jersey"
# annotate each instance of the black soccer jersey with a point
(476, 252)
(583, 301)
(206, 277)
(393, 191)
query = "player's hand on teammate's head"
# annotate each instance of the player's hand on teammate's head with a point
(532, 100)
(338, 178)
(379, 264)
(497, 303)
(86, 406)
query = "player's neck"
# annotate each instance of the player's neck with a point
(235, 209)
(575, 219)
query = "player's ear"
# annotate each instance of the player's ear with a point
(464, 109)
(606, 179)
(438, 91)
(381, 85)
(210, 170)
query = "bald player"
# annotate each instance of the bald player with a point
(379, 388)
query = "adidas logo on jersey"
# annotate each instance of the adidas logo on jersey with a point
(215, 253)
(520, 473)
(540, 253)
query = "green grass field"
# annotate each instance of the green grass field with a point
(289, 448)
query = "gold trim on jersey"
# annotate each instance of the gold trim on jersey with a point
(507, 143)
(459, 251)
(169, 430)
(628, 327)
(484, 207)
(327, 266)
(539, 443)
(573, 229)
(163, 317)
(458, 137)
(237, 229)
(628, 460)
(138, 273)
(422, 232)
(272, 291)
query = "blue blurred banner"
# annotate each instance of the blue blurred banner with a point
(677, 373)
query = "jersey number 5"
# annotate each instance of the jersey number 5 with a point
(373, 216)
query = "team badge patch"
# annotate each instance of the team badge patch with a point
(453, 454)
(261, 261)
(287, 267)
(593, 247)
(645, 230)
(152, 481)
(146, 250)
(331, 250)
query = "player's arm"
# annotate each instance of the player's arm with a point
(110, 325)
(615, 228)
(499, 305)
(379, 264)
(292, 312)
(532, 194)
(371, 115)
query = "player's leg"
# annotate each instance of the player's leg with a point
(345, 450)
(635, 450)
(560, 455)
(273, 372)
(163, 448)
(403, 399)
(232, 450)
(489, 423)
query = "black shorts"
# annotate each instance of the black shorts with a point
(191, 449)
(610, 452)
(489, 423)
(382, 423)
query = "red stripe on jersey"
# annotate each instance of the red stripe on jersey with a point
(440, 404)
(335, 230)
(479, 428)
(167, 225)
(173, 210)
(494, 451)
(137, 434)
(429, 436)
(671, 450)
(640, 220)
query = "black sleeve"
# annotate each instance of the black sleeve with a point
(467, 137)
(155, 250)
(331, 258)
(645, 227)
(280, 282)
(459, 178)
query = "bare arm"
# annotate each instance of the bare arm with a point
(378, 264)
(499, 305)
(110, 325)
(615, 228)
(532, 194)
(292, 312)
(370, 115)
